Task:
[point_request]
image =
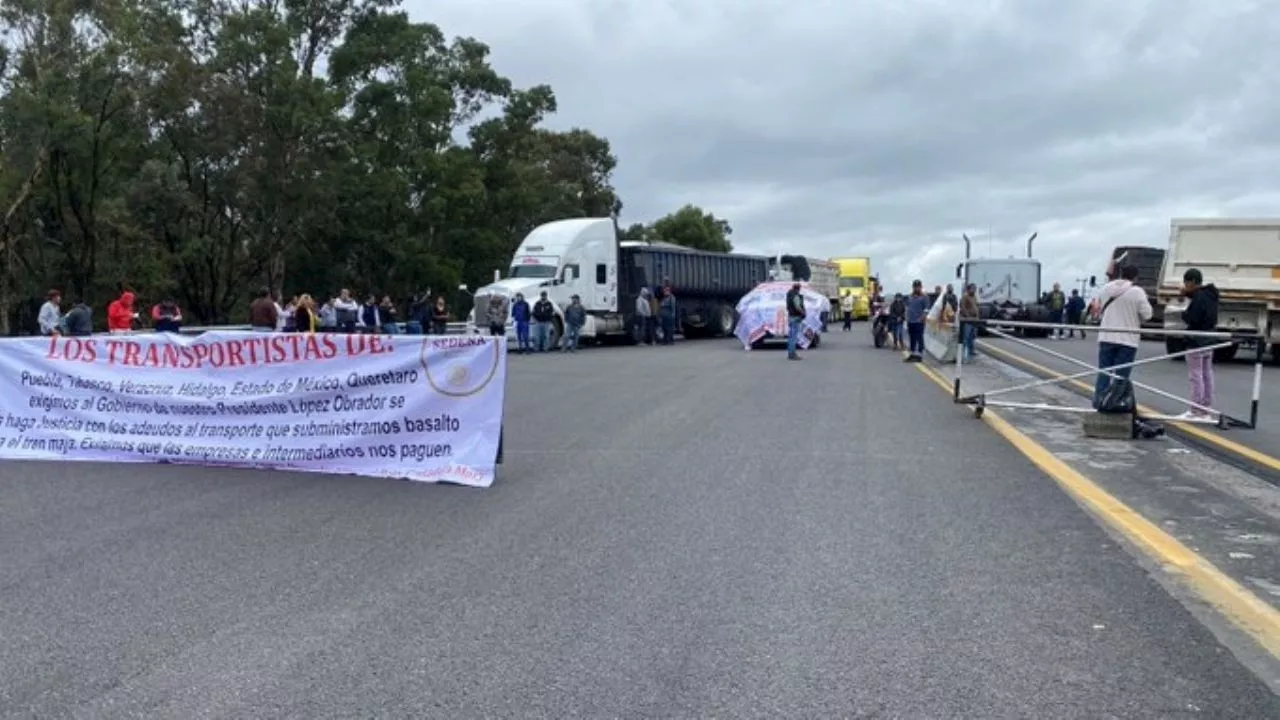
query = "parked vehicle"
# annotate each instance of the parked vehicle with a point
(854, 278)
(819, 276)
(1008, 289)
(1242, 258)
(585, 257)
(1149, 261)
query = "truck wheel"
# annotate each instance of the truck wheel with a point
(557, 332)
(1225, 354)
(1175, 345)
(725, 320)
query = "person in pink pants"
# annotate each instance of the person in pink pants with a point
(1201, 315)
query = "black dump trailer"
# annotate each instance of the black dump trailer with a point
(1150, 262)
(707, 285)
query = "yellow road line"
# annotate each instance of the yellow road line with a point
(1255, 617)
(1220, 442)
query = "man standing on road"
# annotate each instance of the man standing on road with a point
(968, 313)
(846, 309)
(795, 320)
(1057, 311)
(1075, 314)
(543, 313)
(1201, 315)
(917, 309)
(1124, 308)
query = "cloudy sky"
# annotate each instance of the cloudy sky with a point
(888, 129)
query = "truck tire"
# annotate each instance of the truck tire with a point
(1225, 354)
(725, 320)
(1175, 345)
(557, 332)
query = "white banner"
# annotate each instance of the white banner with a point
(425, 408)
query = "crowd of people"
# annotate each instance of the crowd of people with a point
(267, 313)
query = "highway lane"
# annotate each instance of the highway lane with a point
(672, 536)
(1233, 390)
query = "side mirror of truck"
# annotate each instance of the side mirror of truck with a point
(958, 269)
(1093, 281)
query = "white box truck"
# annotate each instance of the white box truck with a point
(1241, 257)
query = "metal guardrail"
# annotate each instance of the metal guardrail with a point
(1223, 420)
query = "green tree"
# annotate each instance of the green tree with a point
(692, 227)
(203, 148)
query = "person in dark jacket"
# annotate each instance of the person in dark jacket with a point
(1201, 315)
(544, 313)
(166, 317)
(575, 316)
(79, 321)
(1075, 313)
(795, 320)
(897, 319)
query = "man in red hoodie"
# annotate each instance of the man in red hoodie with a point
(120, 313)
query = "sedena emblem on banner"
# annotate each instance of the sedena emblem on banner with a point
(393, 406)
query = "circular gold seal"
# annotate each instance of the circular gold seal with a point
(453, 368)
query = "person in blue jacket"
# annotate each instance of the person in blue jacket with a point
(520, 315)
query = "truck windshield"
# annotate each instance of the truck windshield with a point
(999, 281)
(533, 271)
(851, 282)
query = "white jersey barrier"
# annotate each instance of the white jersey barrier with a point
(940, 339)
(414, 407)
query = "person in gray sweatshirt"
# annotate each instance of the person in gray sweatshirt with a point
(575, 316)
(644, 317)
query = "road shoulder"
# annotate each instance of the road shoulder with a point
(1207, 530)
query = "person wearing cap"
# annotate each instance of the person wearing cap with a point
(543, 313)
(575, 316)
(50, 317)
(918, 305)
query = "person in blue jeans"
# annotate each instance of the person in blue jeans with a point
(917, 309)
(795, 320)
(520, 315)
(575, 316)
(1125, 307)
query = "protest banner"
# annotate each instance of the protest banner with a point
(393, 406)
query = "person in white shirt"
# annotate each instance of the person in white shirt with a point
(50, 317)
(1124, 307)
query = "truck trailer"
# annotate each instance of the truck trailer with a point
(587, 258)
(1242, 258)
(1148, 261)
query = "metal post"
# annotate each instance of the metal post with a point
(960, 330)
(1257, 382)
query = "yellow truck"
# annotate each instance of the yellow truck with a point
(855, 280)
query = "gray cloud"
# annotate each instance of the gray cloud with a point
(890, 129)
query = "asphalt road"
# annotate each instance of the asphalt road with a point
(672, 537)
(1233, 390)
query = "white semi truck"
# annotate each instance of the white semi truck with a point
(1242, 258)
(585, 257)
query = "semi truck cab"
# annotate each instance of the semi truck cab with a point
(855, 281)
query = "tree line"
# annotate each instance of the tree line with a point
(199, 149)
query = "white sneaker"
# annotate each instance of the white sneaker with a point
(1188, 415)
